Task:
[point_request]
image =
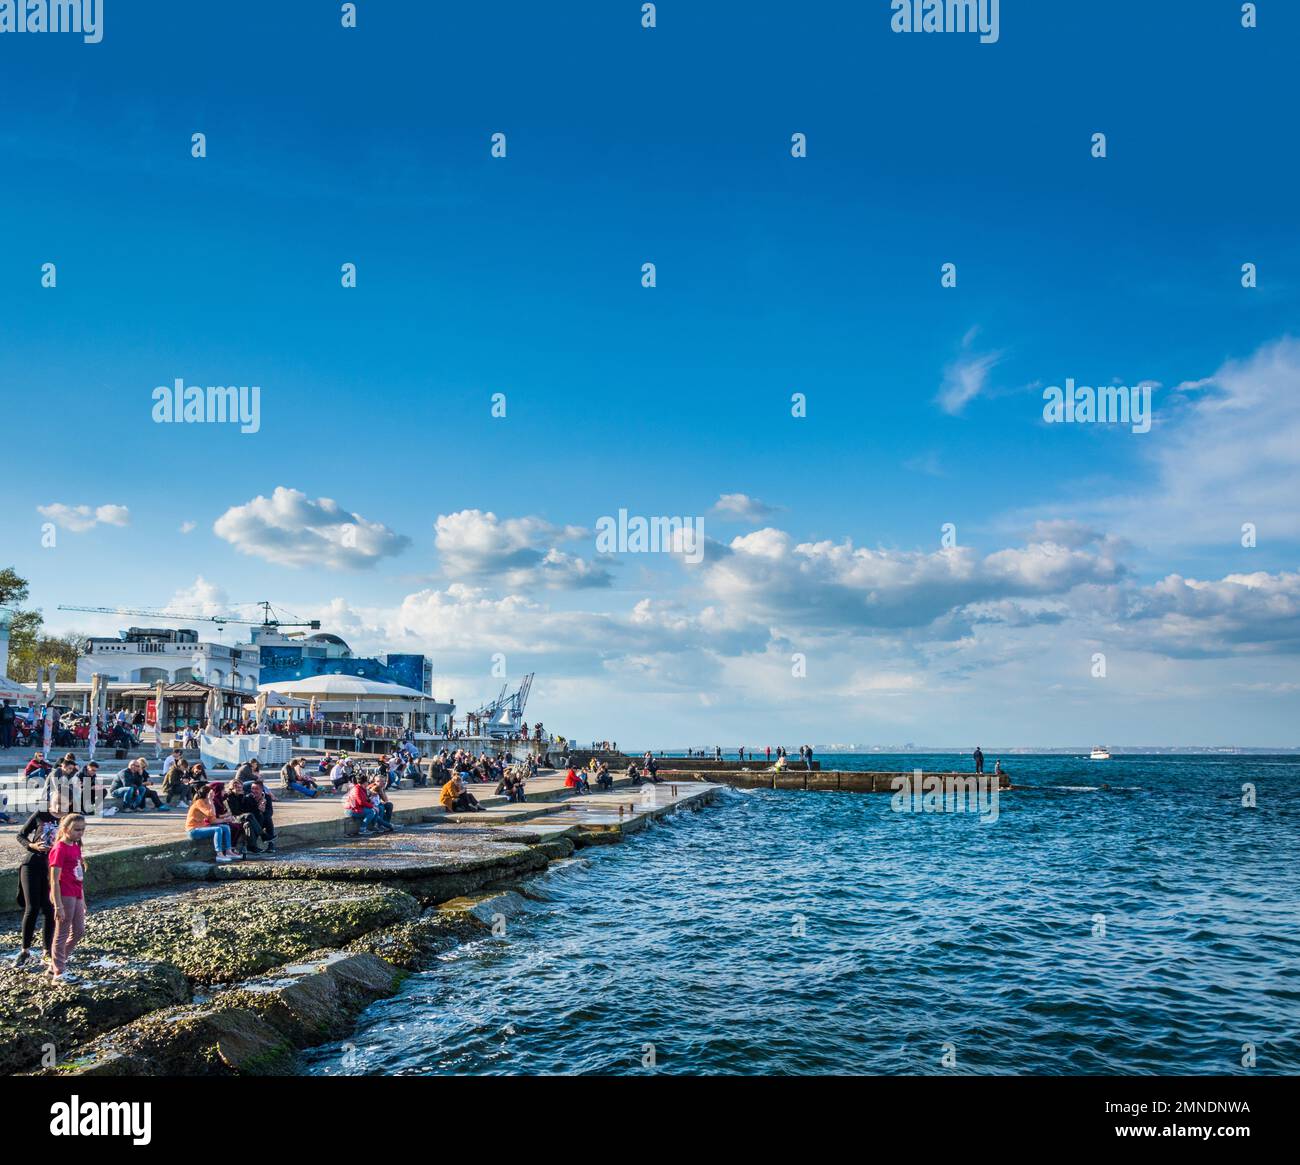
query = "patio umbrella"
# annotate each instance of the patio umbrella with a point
(312, 708)
(49, 706)
(92, 739)
(259, 710)
(212, 710)
(157, 719)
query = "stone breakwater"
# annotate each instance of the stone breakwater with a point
(845, 781)
(232, 970)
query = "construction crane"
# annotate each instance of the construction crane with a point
(267, 620)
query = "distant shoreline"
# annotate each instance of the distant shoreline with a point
(1007, 750)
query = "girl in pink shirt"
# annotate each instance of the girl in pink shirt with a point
(67, 893)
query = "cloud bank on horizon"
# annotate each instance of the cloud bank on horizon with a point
(895, 630)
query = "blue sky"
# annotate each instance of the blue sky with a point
(775, 275)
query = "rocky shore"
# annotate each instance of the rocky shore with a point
(235, 969)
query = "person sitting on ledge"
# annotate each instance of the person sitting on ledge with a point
(415, 772)
(634, 773)
(203, 822)
(87, 788)
(63, 781)
(176, 783)
(341, 774)
(242, 808)
(358, 806)
(128, 790)
(456, 798)
(38, 766)
(379, 801)
(604, 781)
(294, 778)
(511, 785)
(238, 835)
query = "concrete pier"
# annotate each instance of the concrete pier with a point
(845, 781)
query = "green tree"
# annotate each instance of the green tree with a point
(29, 648)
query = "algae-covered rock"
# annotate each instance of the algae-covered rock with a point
(556, 848)
(484, 908)
(255, 1029)
(41, 1021)
(586, 837)
(416, 945)
(220, 934)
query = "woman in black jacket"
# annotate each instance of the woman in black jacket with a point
(36, 839)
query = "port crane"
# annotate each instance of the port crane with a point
(506, 711)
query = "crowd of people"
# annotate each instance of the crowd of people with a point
(235, 815)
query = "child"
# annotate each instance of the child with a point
(67, 892)
(382, 806)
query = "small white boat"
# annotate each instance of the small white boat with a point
(1100, 753)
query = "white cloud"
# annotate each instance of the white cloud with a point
(1233, 454)
(200, 598)
(837, 586)
(1227, 452)
(1239, 614)
(742, 507)
(967, 376)
(187, 527)
(521, 552)
(79, 519)
(291, 529)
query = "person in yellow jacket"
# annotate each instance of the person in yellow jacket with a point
(456, 798)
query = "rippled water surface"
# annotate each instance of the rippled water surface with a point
(1150, 928)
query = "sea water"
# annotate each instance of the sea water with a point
(1151, 927)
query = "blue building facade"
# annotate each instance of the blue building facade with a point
(328, 655)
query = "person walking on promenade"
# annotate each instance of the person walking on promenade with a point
(67, 877)
(769, 754)
(979, 759)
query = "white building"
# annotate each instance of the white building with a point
(144, 655)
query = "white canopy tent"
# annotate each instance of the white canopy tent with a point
(351, 698)
(12, 690)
